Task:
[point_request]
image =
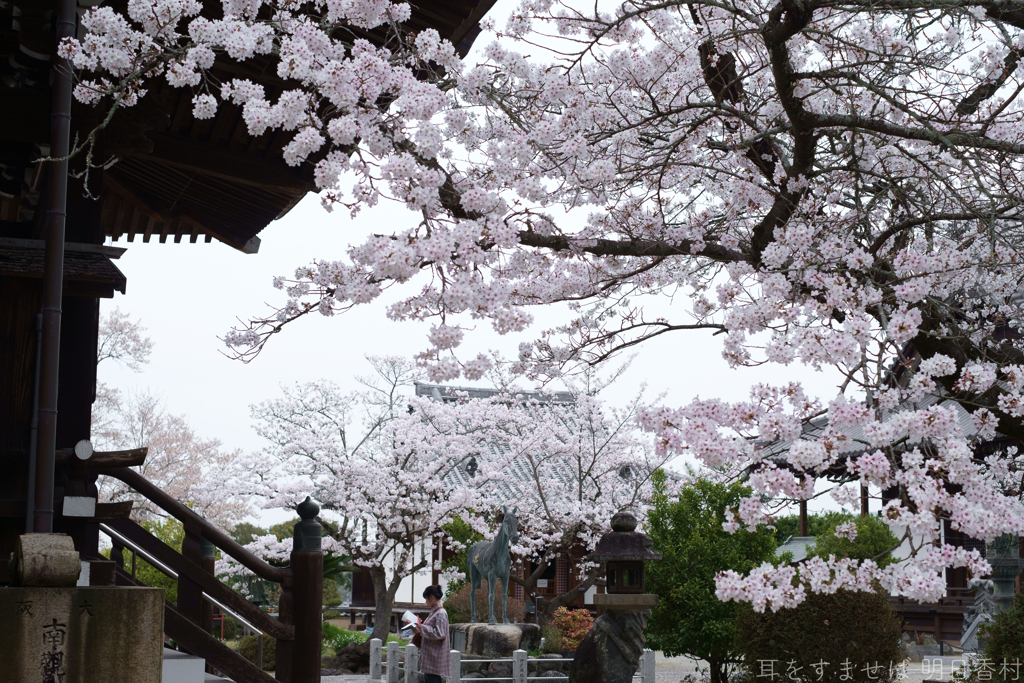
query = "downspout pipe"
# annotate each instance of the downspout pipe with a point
(53, 273)
(33, 442)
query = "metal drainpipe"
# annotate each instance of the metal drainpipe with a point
(53, 273)
(33, 440)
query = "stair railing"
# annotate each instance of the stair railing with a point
(119, 543)
(298, 628)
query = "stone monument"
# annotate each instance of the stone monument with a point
(52, 631)
(611, 652)
(491, 559)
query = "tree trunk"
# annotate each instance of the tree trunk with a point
(717, 671)
(384, 597)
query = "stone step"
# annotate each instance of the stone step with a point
(183, 668)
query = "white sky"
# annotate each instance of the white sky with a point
(187, 295)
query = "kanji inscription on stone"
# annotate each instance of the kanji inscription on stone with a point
(53, 667)
(53, 634)
(81, 634)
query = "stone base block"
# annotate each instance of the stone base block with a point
(499, 640)
(625, 602)
(46, 560)
(84, 634)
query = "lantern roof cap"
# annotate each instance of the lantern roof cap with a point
(623, 543)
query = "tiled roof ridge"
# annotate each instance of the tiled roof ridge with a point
(447, 390)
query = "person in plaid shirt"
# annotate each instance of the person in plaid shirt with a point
(434, 655)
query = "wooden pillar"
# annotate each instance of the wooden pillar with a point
(803, 517)
(190, 595)
(208, 565)
(864, 500)
(286, 614)
(307, 590)
(117, 555)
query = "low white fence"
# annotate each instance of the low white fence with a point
(398, 662)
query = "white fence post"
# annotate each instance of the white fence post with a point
(412, 663)
(647, 667)
(519, 666)
(375, 659)
(392, 662)
(456, 667)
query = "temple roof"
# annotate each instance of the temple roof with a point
(174, 176)
(450, 394)
(88, 270)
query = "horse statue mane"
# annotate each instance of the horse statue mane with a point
(492, 559)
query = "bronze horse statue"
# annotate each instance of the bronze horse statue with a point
(492, 559)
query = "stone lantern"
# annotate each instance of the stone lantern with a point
(611, 651)
(624, 552)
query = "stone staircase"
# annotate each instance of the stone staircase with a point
(184, 668)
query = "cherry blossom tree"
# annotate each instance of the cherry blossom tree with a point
(391, 471)
(822, 182)
(179, 461)
(377, 462)
(123, 341)
(569, 465)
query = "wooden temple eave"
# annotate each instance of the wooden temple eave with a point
(168, 174)
(88, 269)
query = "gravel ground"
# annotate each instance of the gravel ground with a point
(673, 669)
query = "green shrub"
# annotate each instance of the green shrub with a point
(574, 625)
(1004, 642)
(686, 529)
(248, 647)
(332, 614)
(554, 639)
(337, 638)
(874, 541)
(232, 629)
(817, 524)
(856, 635)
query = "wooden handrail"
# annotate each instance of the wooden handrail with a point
(211, 533)
(196, 641)
(162, 552)
(202, 644)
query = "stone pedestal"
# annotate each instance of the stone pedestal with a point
(81, 634)
(499, 640)
(611, 652)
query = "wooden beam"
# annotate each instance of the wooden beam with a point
(155, 219)
(217, 162)
(133, 457)
(93, 290)
(108, 511)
